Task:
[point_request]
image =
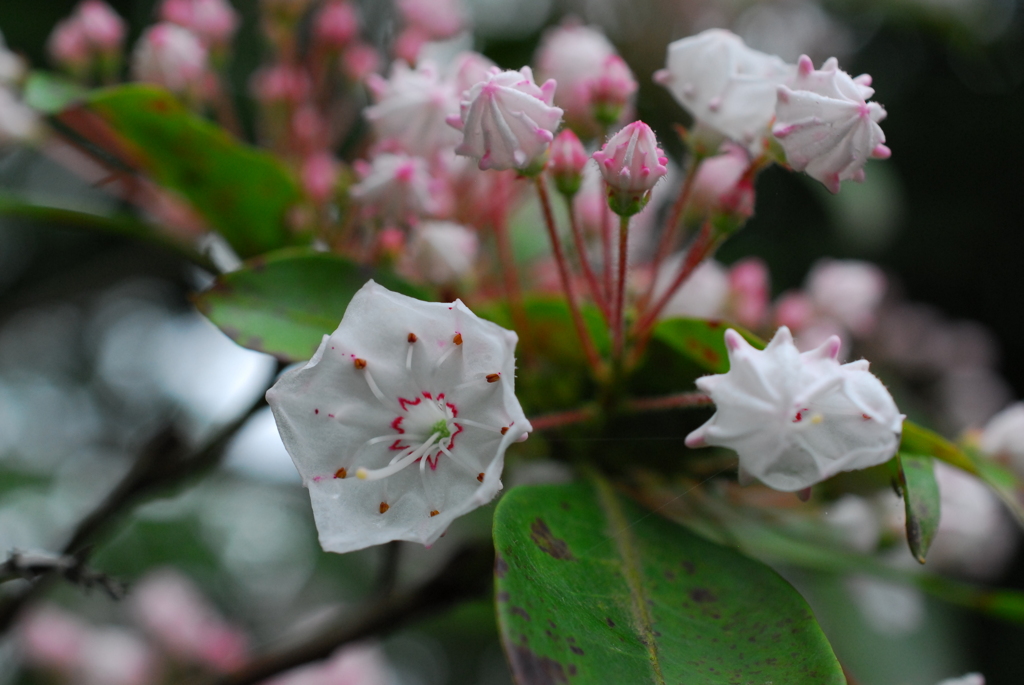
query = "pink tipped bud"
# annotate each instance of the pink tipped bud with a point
(172, 57)
(281, 83)
(102, 26)
(794, 310)
(435, 19)
(749, 291)
(390, 244)
(408, 44)
(631, 163)
(319, 175)
(359, 61)
(177, 12)
(336, 24)
(612, 90)
(722, 185)
(567, 161)
(68, 46)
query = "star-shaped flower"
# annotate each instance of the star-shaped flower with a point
(796, 419)
(400, 421)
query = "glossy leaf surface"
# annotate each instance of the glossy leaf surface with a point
(284, 303)
(594, 590)
(921, 501)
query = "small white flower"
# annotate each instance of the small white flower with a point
(441, 252)
(825, 124)
(396, 185)
(507, 121)
(18, 122)
(849, 291)
(1003, 436)
(969, 679)
(171, 56)
(798, 418)
(400, 421)
(725, 84)
(12, 66)
(412, 106)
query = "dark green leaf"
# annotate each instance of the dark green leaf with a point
(285, 302)
(243, 192)
(921, 500)
(50, 93)
(594, 590)
(702, 341)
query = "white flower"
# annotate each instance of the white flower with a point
(396, 186)
(441, 251)
(18, 121)
(507, 121)
(725, 84)
(170, 56)
(412, 106)
(1003, 436)
(400, 421)
(798, 418)
(825, 124)
(12, 66)
(969, 679)
(704, 295)
(849, 291)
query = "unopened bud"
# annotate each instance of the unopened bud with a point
(566, 162)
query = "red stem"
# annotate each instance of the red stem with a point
(703, 246)
(509, 275)
(588, 270)
(683, 400)
(619, 329)
(606, 250)
(563, 272)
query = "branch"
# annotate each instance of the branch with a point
(466, 576)
(164, 463)
(33, 565)
(632, 405)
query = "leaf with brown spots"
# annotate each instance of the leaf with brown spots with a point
(643, 600)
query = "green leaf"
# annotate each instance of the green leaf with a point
(594, 590)
(701, 340)
(921, 500)
(243, 192)
(123, 225)
(50, 93)
(283, 303)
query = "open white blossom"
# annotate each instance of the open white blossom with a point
(796, 418)
(825, 124)
(412, 106)
(725, 84)
(507, 121)
(400, 421)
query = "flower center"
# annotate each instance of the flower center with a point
(426, 429)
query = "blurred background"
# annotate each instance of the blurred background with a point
(99, 346)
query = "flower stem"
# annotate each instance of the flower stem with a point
(585, 266)
(668, 231)
(633, 405)
(606, 253)
(510, 277)
(563, 271)
(618, 322)
(704, 245)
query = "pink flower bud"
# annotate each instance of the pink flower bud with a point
(507, 121)
(395, 186)
(319, 175)
(408, 44)
(567, 161)
(794, 310)
(436, 19)
(721, 185)
(390, 243)
(281, 83)
(68, 46)
(51, 639)
(215, 21)
(631, 163)
(103, 28)
(612, 91)
(749, 291)
(359, 61)
(336, 24)
(574, 55)
(177, 12)
(172, 57)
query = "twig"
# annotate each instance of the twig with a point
(466, 576)
(32, 565)
(163, 464)
(633, 405)
(563, 271)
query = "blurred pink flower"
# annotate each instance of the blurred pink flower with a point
(359, 61)
(435, 19)
(173, 57)
(319, 175)
(849, 291)
(358, 664)
(102, 26)
(441, 252)
(51, 638)
(721, 185)
(173, 611)
(749, 285)
(412, 105)
(395, 186)
(336, 24)
(69, 47)
(568, 158)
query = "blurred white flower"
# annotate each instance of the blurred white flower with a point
(400, 382)
(795, 418)
(724, 84)
(825, 124)
(1003, 436)
(396, 186)
(12, 66)
(507, 121)
(171, 56)
(411, 108)
(358, 664)
(19, 123)
(849, 291)
(441, 252)
(704, 295)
